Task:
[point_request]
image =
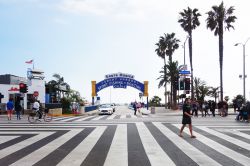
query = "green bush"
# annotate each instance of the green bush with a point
(65, 106)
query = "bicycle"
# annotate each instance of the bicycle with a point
(34, 116)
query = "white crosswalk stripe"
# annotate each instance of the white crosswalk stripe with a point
(11, 149)
(95, 118)
(118, 153)
(111, 117)
(69, 119)
(6, 138)
(84, 118)
(226, 137)
(99, 117)
(45, 150)
(155, 154)
(220, 148)
(78, 154)
(199, 157)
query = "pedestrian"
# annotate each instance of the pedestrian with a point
(195, 108)
(18, 109)
(186, 119)
(235, 105)
(135, 107)
(206, 108)
(36, 108)
(212, 108)
(10, 107)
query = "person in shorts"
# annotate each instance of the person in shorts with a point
(186, 119)
(10, 107)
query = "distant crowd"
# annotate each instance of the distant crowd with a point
(205, 107)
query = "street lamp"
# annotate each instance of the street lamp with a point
(244, 68)
(184, 46)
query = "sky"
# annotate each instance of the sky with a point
(83, 40)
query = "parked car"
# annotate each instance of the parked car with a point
(105, 109)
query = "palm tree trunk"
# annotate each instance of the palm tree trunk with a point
(166, 102)
(221, 61)
(165, 73)
(191, 63)
(171, 84)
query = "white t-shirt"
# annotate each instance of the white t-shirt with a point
(36, 105)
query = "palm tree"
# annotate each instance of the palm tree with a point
(189, 21)
(213, 92)
(204, 91)
(220, 18)
(166, 47)
(198, 83)
(173, 73)
(59, 86)
(160, 51)
(164, 78)
(155, 101)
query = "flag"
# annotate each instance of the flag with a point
(29, 62)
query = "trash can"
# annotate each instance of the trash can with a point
(152, 110)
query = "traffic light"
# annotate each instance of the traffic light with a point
(187, 83)
(181, 84)
(23, 88)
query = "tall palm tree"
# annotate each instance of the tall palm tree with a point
(160, 51)
(220, 18)
(189, 21)
(165, 47)
(173, 73)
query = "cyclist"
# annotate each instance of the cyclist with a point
(36, 107)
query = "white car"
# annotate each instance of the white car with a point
(106, 109)
(113, 106)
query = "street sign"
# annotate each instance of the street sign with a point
(184, 72)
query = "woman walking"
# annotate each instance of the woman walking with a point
(10, 107)
(187, 117)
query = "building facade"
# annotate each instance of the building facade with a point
(9, 88)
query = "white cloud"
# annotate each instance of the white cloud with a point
(121, 9)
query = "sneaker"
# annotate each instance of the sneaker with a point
(193, 136)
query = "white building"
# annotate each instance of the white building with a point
(9, 87)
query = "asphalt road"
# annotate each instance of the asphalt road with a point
(124, 139)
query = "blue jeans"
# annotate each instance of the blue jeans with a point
(18, 115)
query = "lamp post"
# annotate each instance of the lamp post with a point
(244, 67)
(184, 46)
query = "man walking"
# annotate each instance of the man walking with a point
(187, 117)
(135, 107)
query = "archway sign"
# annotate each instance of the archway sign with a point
(119, 80)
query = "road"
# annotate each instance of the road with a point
(124, 139)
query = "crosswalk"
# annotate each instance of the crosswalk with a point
(123, 144)
(98, 117)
